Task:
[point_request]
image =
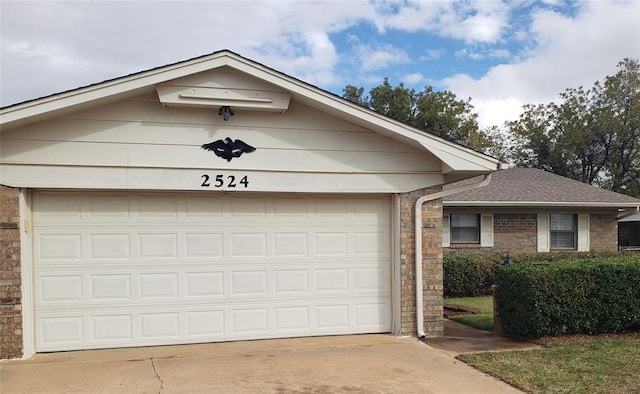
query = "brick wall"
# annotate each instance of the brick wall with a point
(518, 233)
(10, 280)
(604, 232)
(431, 264)
(515, 232)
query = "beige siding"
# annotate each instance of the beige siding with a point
(139, 139)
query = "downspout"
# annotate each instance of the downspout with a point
(418, 244)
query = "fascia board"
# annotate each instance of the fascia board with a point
(533, 204)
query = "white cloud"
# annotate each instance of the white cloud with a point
(533, 50)
(566, 52)
(414, 78)
(433, 54)
(381, 57)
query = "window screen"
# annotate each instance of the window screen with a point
(563, 231)
(465, 228)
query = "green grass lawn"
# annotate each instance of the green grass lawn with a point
(482, 318)
(571, 364)
(603, 364)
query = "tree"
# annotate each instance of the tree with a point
(617, 110)
(439, 113)
(591, 135)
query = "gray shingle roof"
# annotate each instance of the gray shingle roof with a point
(530, 185)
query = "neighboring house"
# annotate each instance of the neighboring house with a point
(216, 199)
(530, 210)
(629, 232)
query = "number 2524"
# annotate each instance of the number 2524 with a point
(220, 180)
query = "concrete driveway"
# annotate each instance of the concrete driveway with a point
(354, 364)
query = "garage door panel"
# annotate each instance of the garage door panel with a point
(204, 245)
(109, 246)
(112, 327)
(130, 269)
(59, 246)
(60, 288)
(248, 244)
(205, 284)
(111, 287)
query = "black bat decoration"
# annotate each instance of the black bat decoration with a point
(228, 149)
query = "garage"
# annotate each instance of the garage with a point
(217, 199)
(131, 269)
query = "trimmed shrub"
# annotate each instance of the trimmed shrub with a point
(577, 296)
(472, 274)
(469, 275)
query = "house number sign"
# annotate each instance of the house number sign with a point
(221, 180)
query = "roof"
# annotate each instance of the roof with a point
(534, 187)
(631, 218)
(458, 162)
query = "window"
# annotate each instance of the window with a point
(465, 228)
(563, 231)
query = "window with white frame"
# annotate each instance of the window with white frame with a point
(563, 231)
(465, 228)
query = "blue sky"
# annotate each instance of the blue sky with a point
(502, 54)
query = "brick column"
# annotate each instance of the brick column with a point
(10, 277)
(432, 280)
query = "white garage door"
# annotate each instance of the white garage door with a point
(131, 269)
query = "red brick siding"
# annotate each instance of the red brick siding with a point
(432, 280)
(10, 277)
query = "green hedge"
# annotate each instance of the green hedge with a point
(576, 296)
(469, 275)
(472, 274)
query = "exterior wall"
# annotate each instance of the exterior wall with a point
(138, 143)
(10, 275)
(603, 229)
(516, 232)
(432, 282)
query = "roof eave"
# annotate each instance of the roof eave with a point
(539, 204)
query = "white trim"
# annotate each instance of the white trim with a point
(583, 233)
(446, 231)
(486, 230)
(396, 273)
(26, 271)
(544, 233)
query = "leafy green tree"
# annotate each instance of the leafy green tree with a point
(590, 135)
(617, 110)
(439, 113)
(354, 94)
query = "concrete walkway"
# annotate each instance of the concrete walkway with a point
(459, 338)
(354, 364)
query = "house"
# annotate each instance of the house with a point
(629, 232)
(530, 210)
(216, 199)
